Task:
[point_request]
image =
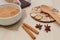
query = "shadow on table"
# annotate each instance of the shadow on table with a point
(15, 26)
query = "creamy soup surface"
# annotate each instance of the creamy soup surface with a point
(8, 12)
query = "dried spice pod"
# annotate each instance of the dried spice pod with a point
(47, 28)
(38, 26)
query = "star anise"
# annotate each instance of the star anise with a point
(47, 28)
(38, 26)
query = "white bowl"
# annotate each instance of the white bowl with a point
(12, 19)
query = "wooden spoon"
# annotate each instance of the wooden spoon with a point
(48, 10)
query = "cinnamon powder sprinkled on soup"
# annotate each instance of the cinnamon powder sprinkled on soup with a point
(8, 12)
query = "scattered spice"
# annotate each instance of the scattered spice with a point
(47, 28)
(38, 26)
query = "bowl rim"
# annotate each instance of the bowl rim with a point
(14, 15)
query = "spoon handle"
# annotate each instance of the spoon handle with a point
(48, 10)
(55, 16)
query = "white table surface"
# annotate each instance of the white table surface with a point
(16, 32)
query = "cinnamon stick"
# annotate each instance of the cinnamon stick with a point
(32, 29)
(29, 32)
